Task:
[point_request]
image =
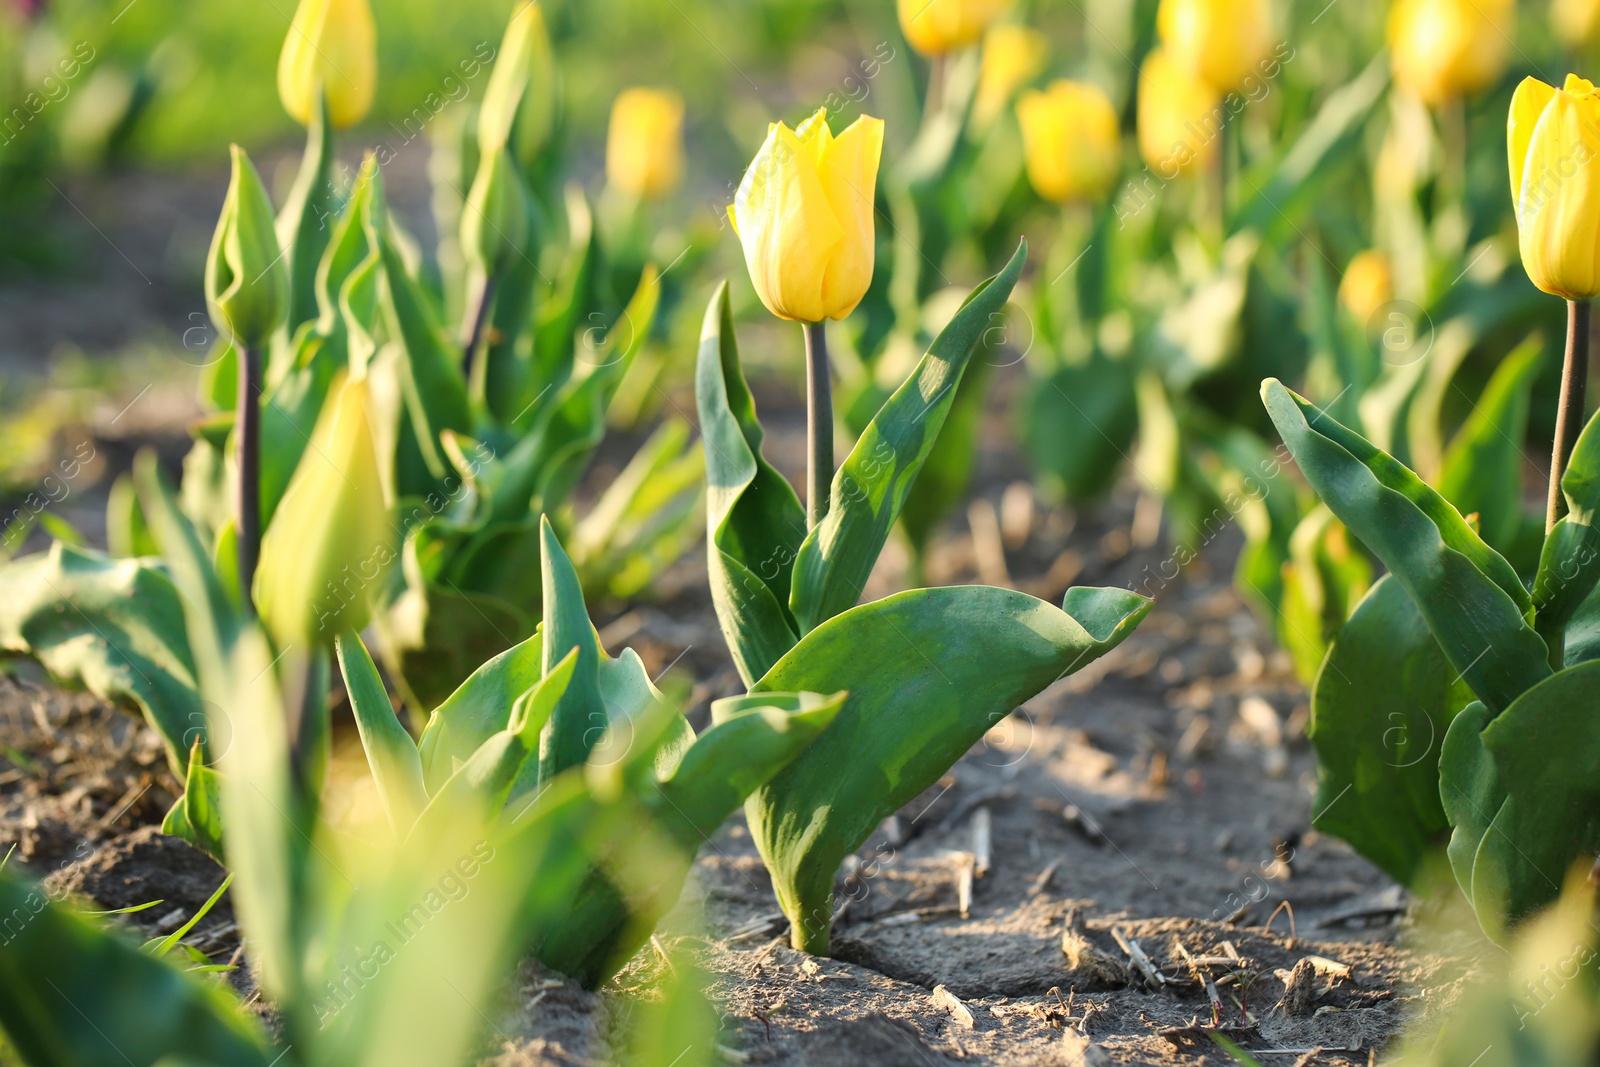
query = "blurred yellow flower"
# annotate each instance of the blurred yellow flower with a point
(1368, 284)
(1443, 49)
(332, 46)
(1577, 22)
(644, 146)
(935, 27)
(1221, 41)
(331, 541)
(1072, 143)
(804, 214)
(1180, 117)
(1552, 138)
(1012, 57)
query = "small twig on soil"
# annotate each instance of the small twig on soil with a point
(1283, 905)
(1041, 883)
(1140, 961)
(943, 998)
(1084, 823)
(967, 863)
(1233, 917)
(1367, 910)
(758, 927)
(965, 808)
(906, 918)
(982, 842)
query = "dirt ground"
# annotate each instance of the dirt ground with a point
(1137, 841)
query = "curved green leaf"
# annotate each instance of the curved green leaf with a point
(72, 994)
(1379, 713)
(871, 486)
(928, 673)
(1569, 566)
(391, 753)
(580, 718)
(435, 393)
(197, 815)
(480, 708)
(1482, 470)
(1470, 595)
(754, 520)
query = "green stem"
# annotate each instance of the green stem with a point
(476, 325)
(819, 425)
(1569, 416)
(248, 503)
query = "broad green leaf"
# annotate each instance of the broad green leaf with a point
(566, 312)
(391, 753)
(754, 521)
(73, 994)
(197, 815)
(928, 672)
(680, 1027)
(580, 717)
(115, 627)
(1521, 792)
(479, 709)
(1482, 469)
(754, 737)
(303, 222)
(1379, 712)
(871, 486)
(1471, 597)
(947, 472)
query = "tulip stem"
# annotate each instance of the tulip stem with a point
(819, 425)
(249, 487)
(1569, 416)
(477, 321)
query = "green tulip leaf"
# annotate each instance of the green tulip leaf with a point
(72, 994)
(1379, 713)
(1570, 563)
(754, 520)
(871, 487)
(303, 222)
(114, 627)
(479, 709)
(1522, 795)
(197, 815)
(928, 672)
(580, 718)
(1470, 595)
(391, 753)
(1321, 582)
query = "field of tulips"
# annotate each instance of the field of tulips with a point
(667, 533)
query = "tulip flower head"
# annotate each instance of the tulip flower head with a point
(1444, 49)
(247, 284)
(1552, 140)
(1012, 57)
(331, 541)
(935, 27)
(1221, 41)
(1180, 117)
(1073, 147)
(332, 48)
(1368, 284)
(644, 145)
(1577, 22)
(804, 214)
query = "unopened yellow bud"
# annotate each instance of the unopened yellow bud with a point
(332, 48)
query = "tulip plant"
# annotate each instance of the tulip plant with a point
(555, 802)
(1483, 681)
(927, 671)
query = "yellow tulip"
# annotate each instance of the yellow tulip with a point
(1368, 284)
(332, 47)
(644, 146)
(1577, 22)
(330, 543)
(1443, 49)
(804, 214)
(1073, 148)
(1012, 57)
(1180, 117)
(935, 27)
(1222, 41)
(1552, 138)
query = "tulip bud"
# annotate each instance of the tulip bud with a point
(1221, 41)
(804, 214)
(1577, 22)
(330, 543)
(494, 222)
(519, 104)
(1012, 57)
(1073, 147)
(1368, 285)
(1443, 49)
(332, 48)
(1180, 117)
(935, 27)
(247, 285)
(1552, 138)
(644, 145)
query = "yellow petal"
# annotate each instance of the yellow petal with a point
(1527, 104)
(331, 48)
(787, 227)
(644, 143)
(1221, 41)
(1180, 117)
(1558, 207)
(1071, 141)
(849, 174)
